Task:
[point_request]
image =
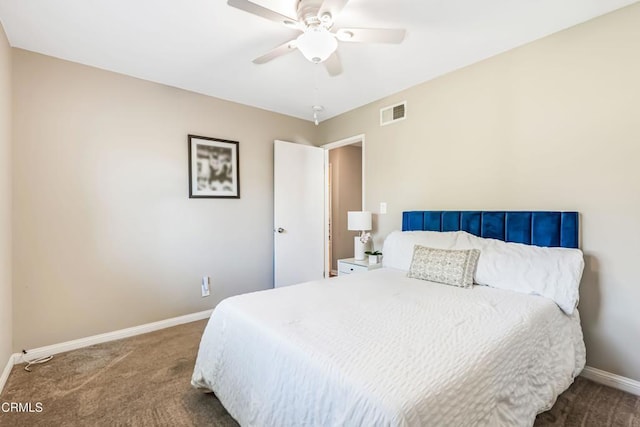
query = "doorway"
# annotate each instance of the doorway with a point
(345, 192)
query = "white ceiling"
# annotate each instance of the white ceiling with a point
(206, 46)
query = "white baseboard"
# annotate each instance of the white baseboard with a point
(39, 352)
(5, 373)
(611, 380)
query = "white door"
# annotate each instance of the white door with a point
(298, 213)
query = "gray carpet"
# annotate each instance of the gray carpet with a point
(145, 381)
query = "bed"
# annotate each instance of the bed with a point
(382, 349)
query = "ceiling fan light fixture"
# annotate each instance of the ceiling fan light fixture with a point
(317, 44)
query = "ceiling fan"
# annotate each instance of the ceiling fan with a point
(319, 39)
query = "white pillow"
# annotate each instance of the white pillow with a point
(554, 273)
(398, 246)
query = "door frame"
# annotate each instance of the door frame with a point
(327, 147)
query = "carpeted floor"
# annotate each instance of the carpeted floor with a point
(145, 381)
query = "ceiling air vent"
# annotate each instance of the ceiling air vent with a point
(393, 113)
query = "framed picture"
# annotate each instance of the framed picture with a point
(214, 168)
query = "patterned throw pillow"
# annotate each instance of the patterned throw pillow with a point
(451, 267)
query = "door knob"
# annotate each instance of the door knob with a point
(280, 230)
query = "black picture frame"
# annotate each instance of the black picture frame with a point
(214, 168)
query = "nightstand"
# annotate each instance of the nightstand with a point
(352, 266)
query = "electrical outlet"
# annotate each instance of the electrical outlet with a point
(383, 207)
(205, 286)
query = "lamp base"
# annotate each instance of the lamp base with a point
(358, 249)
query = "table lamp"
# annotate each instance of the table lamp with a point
(358, 221)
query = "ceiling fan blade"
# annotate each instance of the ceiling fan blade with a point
(333, 65)
(283, 49)
(370, 35)
(332, 6)
(263, 12)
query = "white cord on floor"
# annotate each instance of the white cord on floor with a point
(37, 362)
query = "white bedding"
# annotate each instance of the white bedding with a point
(380, 349)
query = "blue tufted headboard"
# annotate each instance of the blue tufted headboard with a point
(532, 228)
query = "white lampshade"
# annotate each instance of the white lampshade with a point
(359, 220)
(317, 44)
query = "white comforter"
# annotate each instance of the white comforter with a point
(379, 349)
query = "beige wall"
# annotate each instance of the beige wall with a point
(105, 236)
(346, 195)
(551, 125)
(5, 201)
